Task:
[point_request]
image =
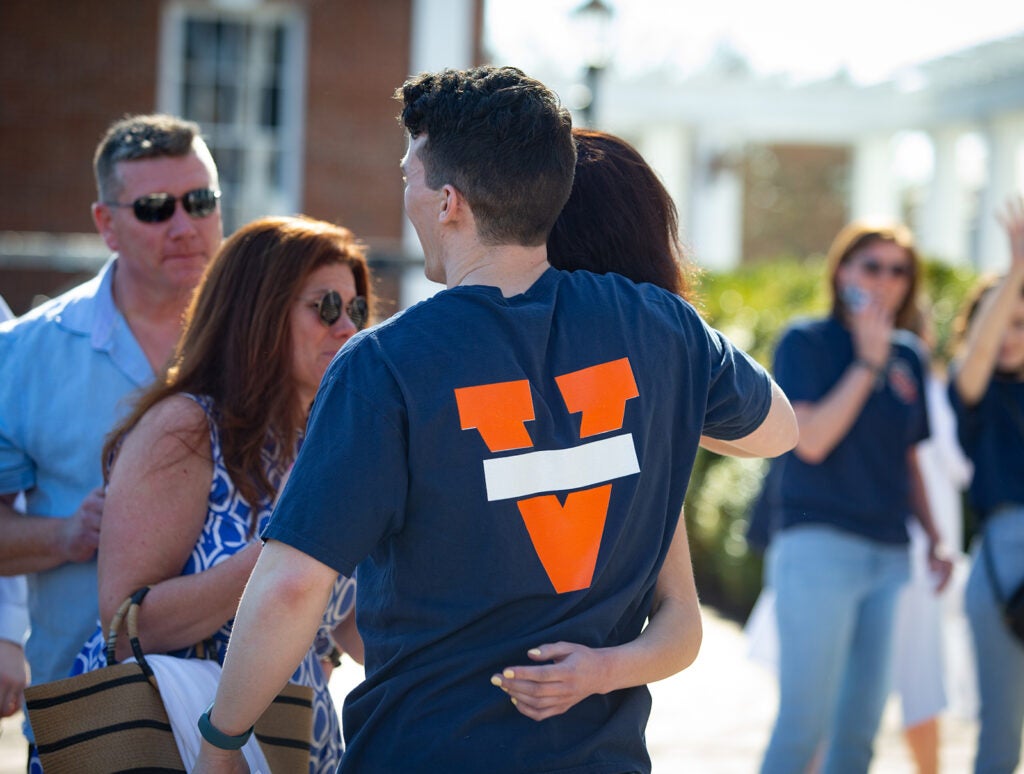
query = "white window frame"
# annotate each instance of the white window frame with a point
(255, 194)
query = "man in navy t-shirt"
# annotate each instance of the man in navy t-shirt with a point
(505, 464)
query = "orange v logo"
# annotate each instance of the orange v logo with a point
(567, 538)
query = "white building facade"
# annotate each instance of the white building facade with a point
(966, 110)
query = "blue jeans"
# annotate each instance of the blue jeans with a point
(836, 596)
(999, 656)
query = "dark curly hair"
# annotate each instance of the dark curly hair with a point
(502, 139)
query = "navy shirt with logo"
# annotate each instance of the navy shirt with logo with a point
(508, 472)
(863, 485)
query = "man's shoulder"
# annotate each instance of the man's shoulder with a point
(72, 310)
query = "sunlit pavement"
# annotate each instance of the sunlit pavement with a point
(714, 718)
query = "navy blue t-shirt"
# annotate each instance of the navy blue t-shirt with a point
(508, 472)
(992, 436)
(863, 485)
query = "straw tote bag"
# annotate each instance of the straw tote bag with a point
(113, 719)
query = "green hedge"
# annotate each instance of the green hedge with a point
(752, 306)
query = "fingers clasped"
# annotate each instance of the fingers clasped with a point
(543, 690)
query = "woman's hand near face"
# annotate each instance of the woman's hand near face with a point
(871, 328)
(826, 422)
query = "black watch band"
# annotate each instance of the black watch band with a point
(218, 738)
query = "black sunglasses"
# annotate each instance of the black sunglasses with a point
(159, 207)
(874, 268)
(329, 308)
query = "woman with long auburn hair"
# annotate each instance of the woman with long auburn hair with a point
(193, 471)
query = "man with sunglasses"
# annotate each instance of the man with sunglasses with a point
(505, 463)
(69, 367)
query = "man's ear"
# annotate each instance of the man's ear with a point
(453, 204)
(104, 225)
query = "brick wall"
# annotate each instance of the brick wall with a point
(359, 54)
(78, 65)
(794, 201)
(70, 67)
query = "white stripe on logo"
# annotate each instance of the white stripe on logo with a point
(560, 470)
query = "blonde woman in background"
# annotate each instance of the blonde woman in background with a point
(839, 557)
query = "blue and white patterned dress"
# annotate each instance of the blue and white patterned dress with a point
(227, 531)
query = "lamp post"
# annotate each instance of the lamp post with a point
(593, 26)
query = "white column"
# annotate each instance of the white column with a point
(716, 203)
(873, 190)
(669, 151)
(442, 36)
(943, 230)
(1004, 136)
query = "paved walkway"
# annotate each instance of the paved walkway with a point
(714, 718)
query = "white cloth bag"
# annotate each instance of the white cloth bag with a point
(187, 686)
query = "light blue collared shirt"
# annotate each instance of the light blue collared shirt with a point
(13, 591)
(67, 369)
(13, 609)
